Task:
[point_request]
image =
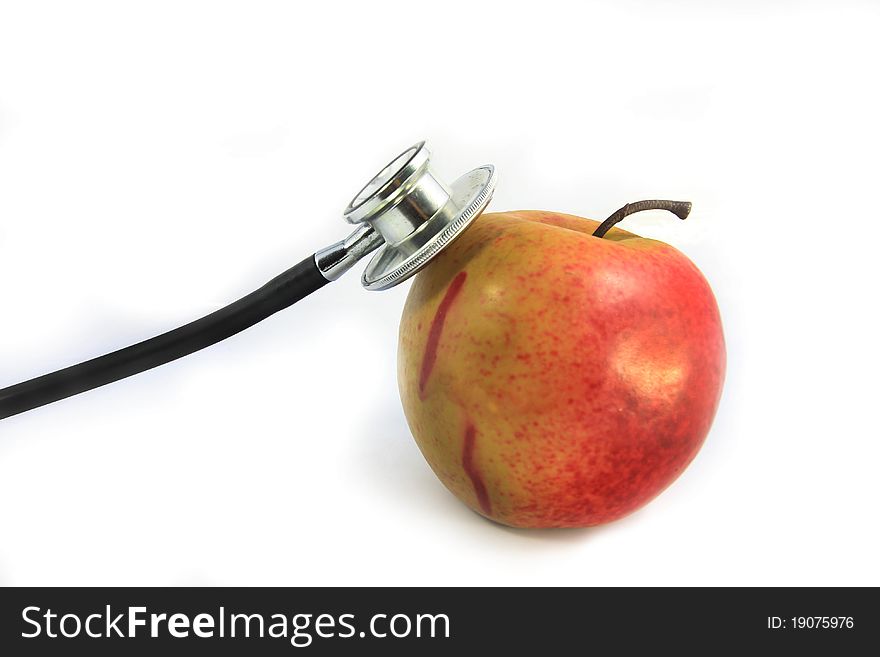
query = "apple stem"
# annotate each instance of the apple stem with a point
(680, 209)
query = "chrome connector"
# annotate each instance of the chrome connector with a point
(336, 259)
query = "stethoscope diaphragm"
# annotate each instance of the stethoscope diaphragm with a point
(408, 215)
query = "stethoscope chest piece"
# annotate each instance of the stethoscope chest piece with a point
(415, 213)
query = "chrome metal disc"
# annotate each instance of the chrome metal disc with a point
(396, 261)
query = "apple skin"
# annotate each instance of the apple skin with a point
(556, 379)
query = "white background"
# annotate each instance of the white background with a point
(160, 159)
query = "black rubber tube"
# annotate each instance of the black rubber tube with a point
(279, 293)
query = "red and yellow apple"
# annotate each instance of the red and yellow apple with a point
(556, 379)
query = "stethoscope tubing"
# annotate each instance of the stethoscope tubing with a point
(281, 292)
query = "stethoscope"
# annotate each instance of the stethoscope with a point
(405, 216)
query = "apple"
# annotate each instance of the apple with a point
(556, 378)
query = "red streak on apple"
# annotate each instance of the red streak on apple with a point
(436, 330)
(467, 464)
